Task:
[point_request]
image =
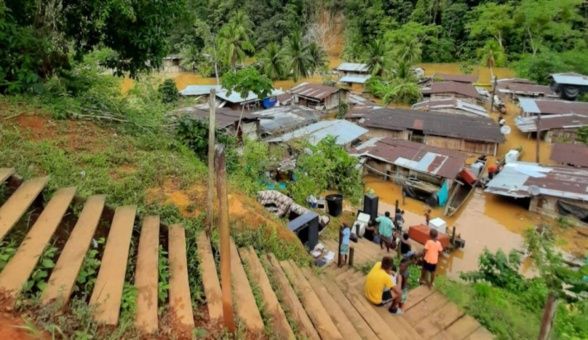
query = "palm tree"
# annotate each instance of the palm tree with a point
(318, 56)
(233, 38)
(377, 55)
(271, 61)
(299, 57)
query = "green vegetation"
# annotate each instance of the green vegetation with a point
(168, 91)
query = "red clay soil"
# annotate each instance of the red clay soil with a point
(12, 328)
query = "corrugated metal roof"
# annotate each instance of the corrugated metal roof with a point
(345, 132)
(415, 156)
(315, 91)
(570, 154)
(529, 105)
(570, 78)
(523, 179)
(353, 67)
(464, 89)
(552, 106)
(524, 89)
(224, 117)
(442, 105)
(433, 123)
(199, 90)
(550, 122)
(281, 119)
(355, 79)
(235, 97)
(460, 78)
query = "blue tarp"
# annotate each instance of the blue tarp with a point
(443, 194)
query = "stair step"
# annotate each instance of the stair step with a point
(403, 329)
(462, 328)
(108, 288)
(415, 296)
(435, 323)
(147, 275)
(317, 312)
(290, 299)
(210, 281)
(67, 268)
(22, 264)
(179, 284)
(480, 334)
(357, 320)
(426, 307)
(333, 308)
(247, 311)
(272, 307)
(19, 202)
(5, 173)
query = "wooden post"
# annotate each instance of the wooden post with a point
(548, 314)
(339, 249)
(225, 234)
(537, 145)
(395, 206)
(494, 81)
(211, 143)
(351, 252)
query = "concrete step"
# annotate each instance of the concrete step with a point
(107, 293)
(335, 311)
(271, 305)
(247, 311)
(22, 264)
(210, 281)
(290, 300)
(64, 275)
(147, 276)
(317, 312)
(180, 301)
(18, 203)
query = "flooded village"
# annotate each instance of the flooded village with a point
(481, 170)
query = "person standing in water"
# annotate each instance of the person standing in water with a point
(385, 230)
(433, 249)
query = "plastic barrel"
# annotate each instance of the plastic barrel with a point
(334, 204)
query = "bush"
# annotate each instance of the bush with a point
(168, 91)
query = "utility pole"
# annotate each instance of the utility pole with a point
(537, 146)
(211, 143)
(225, 234)
(493, 94)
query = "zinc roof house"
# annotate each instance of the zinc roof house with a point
(477, 135)
(317, 96)
(532, 107)
(353, 73)
(233, 100)
(551, 190)
(345, 132)
(452, 89)
(282, 119)
(558, 127)
(515, 87)
(459, 78)
(451, 105)
(570, 154)
(227, 120)
(569, 85)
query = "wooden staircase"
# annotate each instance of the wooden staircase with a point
(271, 298)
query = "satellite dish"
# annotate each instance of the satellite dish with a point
(505, 130)
(534, 190)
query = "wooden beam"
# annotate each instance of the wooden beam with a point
(211, 143)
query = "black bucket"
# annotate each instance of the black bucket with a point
(334, 204)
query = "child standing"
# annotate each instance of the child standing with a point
(344, 248)
(404, 275)
(433, 249)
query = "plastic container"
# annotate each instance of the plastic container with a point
(468, 176)
(334, 204)
(420, 233)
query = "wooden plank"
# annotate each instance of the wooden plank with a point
(317, 312)
(179, 284)
(5, 173)
(290, 299)
(417, 295)
(481, 334)
(272, 307)
(371, 316)
(246, 308)
(19, 202)
(147, 275)
(210, 281)
(434, 323)
(108, 288)
(462, 328)
(402, 328)
(333, 308)
(426, 307)
(359, 323)
(67, 268)
(22, 264)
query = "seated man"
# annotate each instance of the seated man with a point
(380, 288)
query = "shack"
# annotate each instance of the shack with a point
(316, 96)
(553, 128)
(345, 133)
(173, 63)
(353, 73)
(569, 85)
(553, 191)
(282, 119)
(516, 87)
(532, 107)
(451, 105)
(475, 135)
(570, 154)
(458, 78)
(227, 121)
(251, 102)
(199, 90)
(452, 89)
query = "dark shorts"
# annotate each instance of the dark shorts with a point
(386, 297)
(429, 267)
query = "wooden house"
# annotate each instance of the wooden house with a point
(316, 96)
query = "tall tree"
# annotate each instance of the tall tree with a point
(234, 39)
(272, 61)
(491, 20)
(377, 57)
(300, 61)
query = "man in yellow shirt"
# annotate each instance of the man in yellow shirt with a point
(380, 288)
